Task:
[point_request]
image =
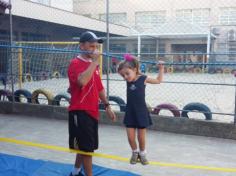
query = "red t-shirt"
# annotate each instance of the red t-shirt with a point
(86, 97)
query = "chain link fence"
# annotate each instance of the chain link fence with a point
(196, 39)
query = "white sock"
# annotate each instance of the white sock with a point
(135, 151)
(143, 152)
(76, 171)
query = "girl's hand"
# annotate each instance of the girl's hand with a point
(110, 114)
(161, 65)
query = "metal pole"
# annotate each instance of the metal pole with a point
(208, 47)
(139, 46)
(20, 71)
(108, 45)
(235, 102)
(100, 61)
(11, 59)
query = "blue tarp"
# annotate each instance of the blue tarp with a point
(19, 166)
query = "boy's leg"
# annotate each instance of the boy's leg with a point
(78, 161)
(87, 163)
(131, 132)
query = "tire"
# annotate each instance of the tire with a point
(169, 69)
(197, 107)
(23, 92)
(3, 80)
(28, 77)
(57, 99)
(227, 70)
(149, 107)
(197, 70)
(211, 71)
(46, 93)
(174, 109)
(7, 94)
(118, 100)
(56, 75)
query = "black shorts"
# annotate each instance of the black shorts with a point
(83, 131)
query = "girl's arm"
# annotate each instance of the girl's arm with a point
(159, 78)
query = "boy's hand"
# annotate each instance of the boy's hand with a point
(110, 114)
(95, 56)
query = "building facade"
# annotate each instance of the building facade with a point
(169, 26)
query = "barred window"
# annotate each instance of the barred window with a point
(116, 18)
(150, 19)
(197, 16)
(227, 15)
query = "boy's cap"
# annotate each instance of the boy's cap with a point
(89, 37)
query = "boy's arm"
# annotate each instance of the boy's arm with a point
(103, 98)
(159, 78)
(108, 109)
(85, 76)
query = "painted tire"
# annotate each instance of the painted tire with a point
(169, 69)
(56, 75)
(23, 92)
(174, 109)
(149, 107)
(7, 94)
(46, 93)
(197, 107)
(118, 100)
(57, 99)
(219, 70)
(28, 77)
(227, 70)
(197, 70)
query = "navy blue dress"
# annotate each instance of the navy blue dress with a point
(137, 114)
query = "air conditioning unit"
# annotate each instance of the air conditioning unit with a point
(216, 31)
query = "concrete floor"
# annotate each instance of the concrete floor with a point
(161, 147)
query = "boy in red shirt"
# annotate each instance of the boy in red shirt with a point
(86, 89)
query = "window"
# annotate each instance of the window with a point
(147, 51)
(197, 16)
(150, 19)
(118, 48)
(161, 49)
(116, 18)
(228, 15)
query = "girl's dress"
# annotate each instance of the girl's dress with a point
(137, 114)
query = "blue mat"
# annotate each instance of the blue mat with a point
(19, 166)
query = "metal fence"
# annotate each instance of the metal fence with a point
(197, 41)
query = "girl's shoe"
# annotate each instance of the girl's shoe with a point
(79, 174)
(143, 159)
(134, 158)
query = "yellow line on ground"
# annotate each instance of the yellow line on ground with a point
(113, 157)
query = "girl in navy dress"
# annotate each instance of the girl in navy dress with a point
(137, 116)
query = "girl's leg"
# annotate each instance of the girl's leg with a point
(142, 138)
(131, 133)
(142, 141)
